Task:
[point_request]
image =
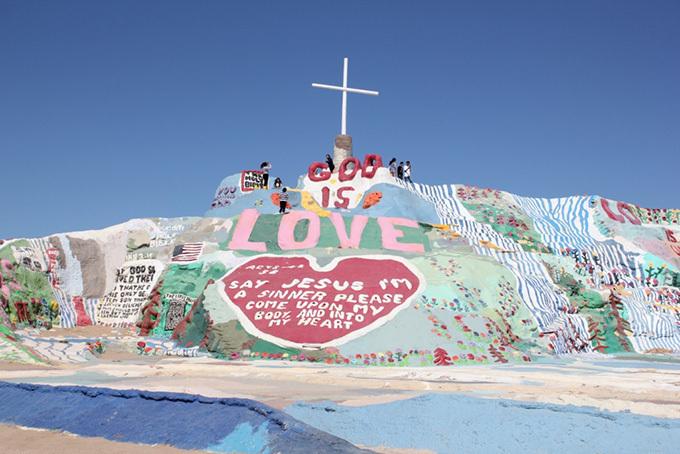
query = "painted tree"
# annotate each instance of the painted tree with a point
(497, 354)
(597, 337)
(441, 357)
(150, 311)
(622, 325)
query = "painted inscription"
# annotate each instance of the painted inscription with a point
(345, 188)
(134, 282)
(251, 180)
(176, 309)
(224, 197)
(29, 258)
(286, 240)
(292, 302)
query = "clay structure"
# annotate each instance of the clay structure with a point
(362, 270)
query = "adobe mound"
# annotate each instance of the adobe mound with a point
(364, 270)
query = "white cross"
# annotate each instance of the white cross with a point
(344, 91)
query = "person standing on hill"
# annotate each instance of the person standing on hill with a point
(329, 161)
(283, 201)
(400, 170)
(407, 172)
(265, 166)
(393, 167)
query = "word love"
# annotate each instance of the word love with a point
(304, 306)
(287, 240)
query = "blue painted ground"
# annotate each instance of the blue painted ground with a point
(182, 420)
(463, 424)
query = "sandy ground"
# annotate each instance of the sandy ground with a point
(638, 385)
(21, 440)
(642, 387)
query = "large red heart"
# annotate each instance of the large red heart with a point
(292, 302)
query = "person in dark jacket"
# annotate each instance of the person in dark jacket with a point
(329, 161)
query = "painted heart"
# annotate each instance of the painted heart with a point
(292, 302)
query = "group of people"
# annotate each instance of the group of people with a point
(283, 196)
(401, 171)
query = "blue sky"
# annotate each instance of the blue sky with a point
(117, 110)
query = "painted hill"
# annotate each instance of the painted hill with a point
(363, 269)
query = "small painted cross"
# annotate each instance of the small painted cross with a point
(344, 89)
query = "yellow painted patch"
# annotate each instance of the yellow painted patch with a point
(309, 204)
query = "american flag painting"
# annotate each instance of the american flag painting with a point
(187, 252)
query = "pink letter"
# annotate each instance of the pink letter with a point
(343, 202)
(322, 176)
(342, 176)
(242, 231)
(357, 228)
(287, 228)
(630, 216)
(374, 161)
(390, 234)
(610, 213)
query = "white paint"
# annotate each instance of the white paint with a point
(360, 187)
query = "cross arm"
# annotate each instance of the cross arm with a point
(351, 90)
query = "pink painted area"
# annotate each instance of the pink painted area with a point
(242, 231)
(390, 234)
(290, 301)
(82, 319)
(7, 269)
(625, 210)
(357, 228)
(287, 228)
(610, 213)
(661, 249)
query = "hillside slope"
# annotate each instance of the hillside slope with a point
(363, 269)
